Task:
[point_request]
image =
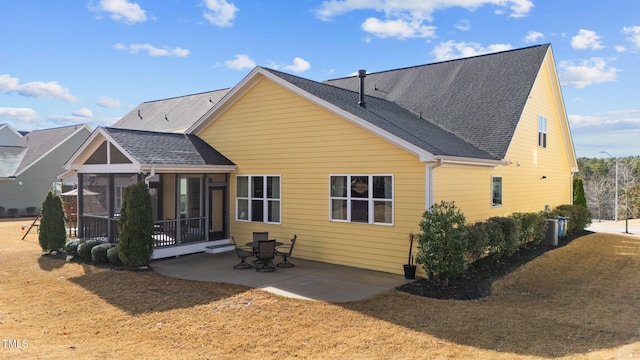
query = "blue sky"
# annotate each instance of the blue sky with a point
(70, 62)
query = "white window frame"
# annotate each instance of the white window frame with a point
(369, 199)
(493, 203)
(265, 201)
(542, 131)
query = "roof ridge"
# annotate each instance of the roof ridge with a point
(442, 62)
(184, 96)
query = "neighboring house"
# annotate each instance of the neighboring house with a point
(351, 164)
(9, 136)
(29, 166)
(170, 115)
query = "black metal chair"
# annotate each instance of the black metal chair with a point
(243, 255)
(257, 237)
(266, 254)
(285, 251)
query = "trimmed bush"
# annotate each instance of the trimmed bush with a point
(13, 212)
(442, 242)
(510, 234)
(112, 255)
(31, 210)
(579, 217)
(478, 241)
(84, 249)
(52, 234)
(99, 253)
(1, 211)
(136, 226)
(71, 247)
(532, 227)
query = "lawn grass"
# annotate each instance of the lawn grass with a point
(581, 301)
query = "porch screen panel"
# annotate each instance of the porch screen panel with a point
(95, 194)
(120, 183)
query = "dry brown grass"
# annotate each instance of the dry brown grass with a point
(581, 301)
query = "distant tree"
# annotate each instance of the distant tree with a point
(598, 193)
(136, 226)
(578, 193)
(52, 234)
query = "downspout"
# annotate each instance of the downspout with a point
(151, 174)
(429, 177)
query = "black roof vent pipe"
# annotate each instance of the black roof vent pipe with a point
(361, 75)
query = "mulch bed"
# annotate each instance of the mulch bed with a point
(476, 282)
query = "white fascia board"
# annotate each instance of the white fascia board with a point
(70, 165)
(188, 169)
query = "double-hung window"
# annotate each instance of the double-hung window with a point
(361, 198)
(258, 198)
(496, 191)
(542, 131)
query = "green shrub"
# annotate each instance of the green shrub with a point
(112, 255)
(71, 247)
(510, 234)
(31, 210)
(99, 253)
(478, 241)
(84, 248)
(52, 234)
(442, 242)
(579, 217)
(136, 226)
(532, 227)
(13, 212)
(1, 211)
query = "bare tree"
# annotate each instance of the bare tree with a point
(598, 193)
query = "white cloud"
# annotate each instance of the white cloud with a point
(84, 113)
(299, 65)
(417, 10)
(618, 119)
(121, 10)
(463, 25)
(25, 115)
(220, 12)
(587, 72)
(586, 39)
(406, 19)
(240, 62)
(400, 29)
(621, 48)
(634, 35)
(453, 50)
(36, 89)
(152, 50)
(533, 36)
(109, 103)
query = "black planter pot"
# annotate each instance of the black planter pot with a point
(409, 271)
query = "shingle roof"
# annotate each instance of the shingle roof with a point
(390, 117)
(40, 142)
(479, 99)
(10, 159)
(170, 115)
(157, 148)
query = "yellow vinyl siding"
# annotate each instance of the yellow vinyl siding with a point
(523, 189)
(272, 131)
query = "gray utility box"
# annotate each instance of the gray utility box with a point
(551, 236)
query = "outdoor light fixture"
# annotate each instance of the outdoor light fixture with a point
(615, 216)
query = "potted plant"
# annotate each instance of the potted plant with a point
(410, 266)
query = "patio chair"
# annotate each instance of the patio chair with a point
(260, 235)
(266, 254)
(243, 255)
(285, 251)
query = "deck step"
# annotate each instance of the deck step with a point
(216, 249)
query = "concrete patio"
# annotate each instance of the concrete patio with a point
(309, 280)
